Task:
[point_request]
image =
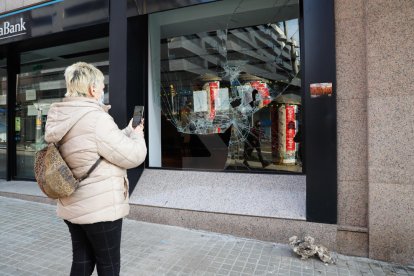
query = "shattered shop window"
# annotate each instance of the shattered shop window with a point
(226, 87)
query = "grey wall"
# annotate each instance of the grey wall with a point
(390, 59)
(375, 128)
(352, 125)
(8, 5)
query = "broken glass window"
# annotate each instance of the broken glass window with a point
(228, 77)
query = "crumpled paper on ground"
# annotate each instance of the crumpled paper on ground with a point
(306, 248)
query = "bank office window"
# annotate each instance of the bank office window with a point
(3, 118)
(41, 83)
(225, 90)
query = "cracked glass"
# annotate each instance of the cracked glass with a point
(226, 87)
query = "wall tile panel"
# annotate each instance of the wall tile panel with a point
(2, 6)
(390, 56)
(350, 59)
(352, 243)
(353, 203)
(391, 222)
(13, 4)
(349, 9)
(391, 136)
(352, 140)
(389, 11)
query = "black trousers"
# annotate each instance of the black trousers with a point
(97, 243)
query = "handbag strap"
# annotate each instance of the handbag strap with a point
(91, 169)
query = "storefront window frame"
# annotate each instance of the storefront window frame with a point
(155, 132)
(318, 59)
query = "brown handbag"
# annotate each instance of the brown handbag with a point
(53, 175)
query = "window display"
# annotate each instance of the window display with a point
(3, 118)
(41, 83)
(226, 76)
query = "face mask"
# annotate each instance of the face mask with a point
(101, 99)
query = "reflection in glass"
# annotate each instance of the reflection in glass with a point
(3, 119)
(41, 83)
(230, 86)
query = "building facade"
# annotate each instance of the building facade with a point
(264, 119)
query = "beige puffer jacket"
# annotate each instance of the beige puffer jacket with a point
(103, 196)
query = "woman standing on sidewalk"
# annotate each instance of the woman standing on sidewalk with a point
(85, 131)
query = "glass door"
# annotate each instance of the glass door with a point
(3, 118)
(41, 83)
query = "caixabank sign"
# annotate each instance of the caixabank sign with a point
(51, 17)
(14, 27)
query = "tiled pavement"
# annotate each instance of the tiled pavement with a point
(33, 241)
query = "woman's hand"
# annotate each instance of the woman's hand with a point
(139, 129)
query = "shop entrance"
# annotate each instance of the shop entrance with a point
(41, 83)
(31, 79)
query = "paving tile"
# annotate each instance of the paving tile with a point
(223, 271)
(283, 272)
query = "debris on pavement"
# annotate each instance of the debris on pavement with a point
(306, 248)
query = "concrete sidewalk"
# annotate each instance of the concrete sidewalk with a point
(35, 242)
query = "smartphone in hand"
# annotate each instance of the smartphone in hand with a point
(138, 115)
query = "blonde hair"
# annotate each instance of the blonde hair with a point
(79, 77)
